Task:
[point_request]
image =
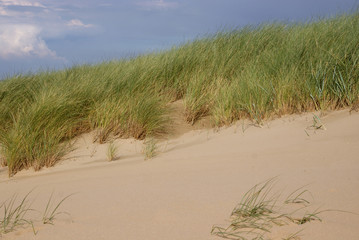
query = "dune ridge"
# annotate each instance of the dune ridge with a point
(197, 179)
(254, 73)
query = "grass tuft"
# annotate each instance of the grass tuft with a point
(49, 215)
(150, 148)
(111, 151)
(13, 214)
(260, 210)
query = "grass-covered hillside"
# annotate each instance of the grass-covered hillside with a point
(254, 72)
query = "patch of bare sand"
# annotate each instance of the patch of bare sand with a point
(196, 181)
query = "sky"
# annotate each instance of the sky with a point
(38, 35)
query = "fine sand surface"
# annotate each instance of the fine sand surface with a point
(196, 181)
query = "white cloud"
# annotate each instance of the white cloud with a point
(25, 29)
(22, 3)
(157, 4)
(16, 14)
(3, 12)
(78, 23)
(19, 40)
(105, 5)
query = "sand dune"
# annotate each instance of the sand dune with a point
(196, 181)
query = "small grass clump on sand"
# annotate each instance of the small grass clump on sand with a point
(253, 72)
(52, 211)
(149, 148)
(111, 151)
(13, 214)
(261, 210)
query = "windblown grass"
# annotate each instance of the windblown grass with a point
(111, 151)
(14, 213)
(254, 72)
(260, 210)
(150, 148)
(51, 211)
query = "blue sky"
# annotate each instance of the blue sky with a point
(39, 34)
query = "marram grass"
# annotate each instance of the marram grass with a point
(254, 72)
(14, 213)
(262, 210)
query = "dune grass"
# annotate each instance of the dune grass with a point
(254, 72)
(150, 148)
(111, 151)
(51, 210)
(14, 213)
(261, 209)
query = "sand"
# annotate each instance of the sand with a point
(196, 180)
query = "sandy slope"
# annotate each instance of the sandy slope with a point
(196, 181)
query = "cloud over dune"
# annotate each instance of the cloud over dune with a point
(22, 3)
(20, 31)
(19, 40)
(3, 12)
(157, 4)
(78, 23)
